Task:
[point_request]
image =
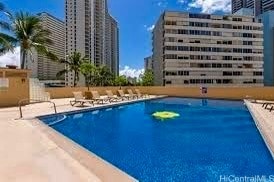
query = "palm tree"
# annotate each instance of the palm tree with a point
(7, 42)
(147, 78)
(105, 77)
(73, 64)
(121, 81)
(89, 71)
(30, 34)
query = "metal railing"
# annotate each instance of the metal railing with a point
(33, 101)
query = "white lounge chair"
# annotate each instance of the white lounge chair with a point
(112, 97)
(123, 95)
(80, 99)
(131, 94)
(99, 99)
(140, 95)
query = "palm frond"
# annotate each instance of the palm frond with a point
(53, 57)
(7, 43)
(4, 10)
(63, 61)
(2, 7)
(5, 25)
(61, 73)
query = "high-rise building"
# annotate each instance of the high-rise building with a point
(267, 19)
(258, 6)
(112, 45)
(267, 5)
(42, 67)
(255, 5)
(87, 32)
(236, 5)
(245, 12)
(148, 63)
(203, 49)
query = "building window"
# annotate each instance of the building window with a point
(170, 23)
(257, 73)
(170, 56)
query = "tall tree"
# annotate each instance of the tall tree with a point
(147, 78)
(105, 77)
(73, 64)
(89, 71)
(121, 81)
(30, 34)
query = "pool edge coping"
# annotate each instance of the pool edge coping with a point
(257, 122)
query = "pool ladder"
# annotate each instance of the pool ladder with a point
(33, 101)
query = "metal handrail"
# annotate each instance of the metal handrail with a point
(35, 102)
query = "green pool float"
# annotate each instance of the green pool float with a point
(165, 115)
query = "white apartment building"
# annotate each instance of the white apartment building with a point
(203, 49)
(87, 23)
(41, 66)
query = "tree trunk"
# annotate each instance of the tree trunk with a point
(23, 60)
(74, 84)
(89, 81)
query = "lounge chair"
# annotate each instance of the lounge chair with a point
(80, 99)
(112, 97)
(270, 108)
(131, 94)
(140, 95)
(265, 104)
(99, 99)
(123, 95)
(88, 95)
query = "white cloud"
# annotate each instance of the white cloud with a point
(211, 6)
(162, 3)
(10, 58)
(182, 1)
(149, 28)
(131, 72)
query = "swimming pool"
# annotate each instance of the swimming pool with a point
(210, 138)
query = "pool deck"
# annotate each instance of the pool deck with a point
(31, 151)
(264, 121)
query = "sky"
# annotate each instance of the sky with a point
(136, 19)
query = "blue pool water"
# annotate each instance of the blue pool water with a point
(209, 139)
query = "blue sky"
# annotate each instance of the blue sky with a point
(135, 18)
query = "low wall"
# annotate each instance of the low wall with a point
(264, 93)
(18, 90)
